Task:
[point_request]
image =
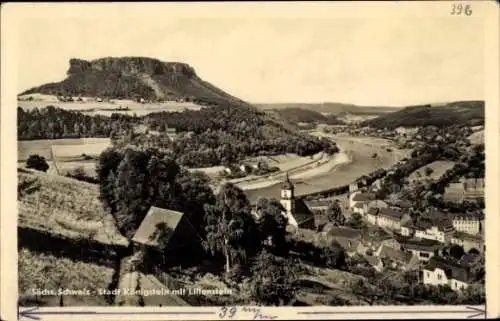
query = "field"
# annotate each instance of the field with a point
(68, 149)
(64, 206)
(44, 271)
(113, 106)
(438, 167)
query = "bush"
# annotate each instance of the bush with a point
(37, 162)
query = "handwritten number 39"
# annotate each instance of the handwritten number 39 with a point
(225, 312)
(459, 9)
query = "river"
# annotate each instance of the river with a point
(360, 151)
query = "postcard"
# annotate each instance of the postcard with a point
(266, 161)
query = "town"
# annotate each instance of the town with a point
(227, 204)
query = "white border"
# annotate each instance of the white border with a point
(486, 10)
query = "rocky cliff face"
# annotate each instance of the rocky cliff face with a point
(130, 66)
(134, 77)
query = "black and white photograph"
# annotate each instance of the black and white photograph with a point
(245, 155)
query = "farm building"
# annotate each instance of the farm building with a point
(296, 210)
(163, 236)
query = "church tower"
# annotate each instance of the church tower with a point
(287, 196)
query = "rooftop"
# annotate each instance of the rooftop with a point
(364, 197)
(452, 269)
(157, 227)
(345, 232)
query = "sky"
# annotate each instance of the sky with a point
(269, 58)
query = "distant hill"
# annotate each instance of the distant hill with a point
(299, 115)
(134, 78)
(332, 108)
(469, 113)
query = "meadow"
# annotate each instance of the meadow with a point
(45, 271)
(70, 148)
(64, 206)
(92, 107)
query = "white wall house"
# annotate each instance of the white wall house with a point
(467, 224)
(444, 272)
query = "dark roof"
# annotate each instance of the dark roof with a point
(343, 232)
(349, 245)
(391, 253)
(467, 236)
(373, 211)
(404, 204)
(442, 223)
(391, 213)
(422, 244)
(469, 259)
(312, 204)
(364, 197)
(452, 269)
(372, 260)
(157, 227)
(468, 216)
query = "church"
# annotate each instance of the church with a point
(298, 213)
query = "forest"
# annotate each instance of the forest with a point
(216, 135)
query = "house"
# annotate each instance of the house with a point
(296, 210)
(471, 189)
(227, 170)
(245, 168)
(377, 185)
(440, 271)
(375, 262)
(320, 205)
(435, 228)
(361, 198)
(387, 217)
(468, 223)
(468, 241)
(396, 258)
(424, 249)
(353, 187)
(474, 189)
(408, 229)
(349, 239)
(163, 232)
(454, 193)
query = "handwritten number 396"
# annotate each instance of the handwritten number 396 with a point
(459, 9)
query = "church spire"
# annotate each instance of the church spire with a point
(287, 184)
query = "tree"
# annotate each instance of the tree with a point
(37, 162)
(272, 224)
(428, 171)
(334, 214)
(230, 229)
(273, 280)
(456, 251)
(356, 221)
